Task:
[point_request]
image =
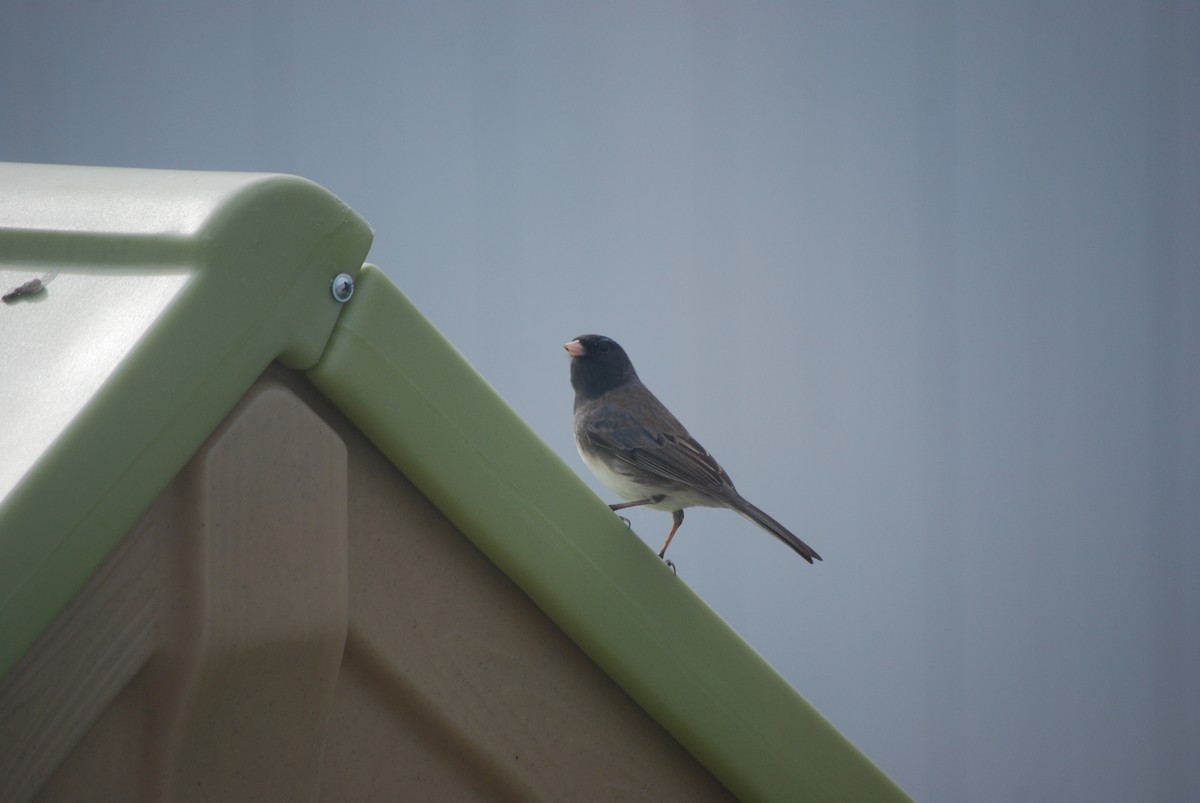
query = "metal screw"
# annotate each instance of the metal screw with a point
(342, 287)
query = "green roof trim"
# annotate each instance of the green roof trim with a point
(409, 390)
(174, 291)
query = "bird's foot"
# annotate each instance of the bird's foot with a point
(625, 521)
(671, 566)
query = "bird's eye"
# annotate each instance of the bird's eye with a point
(602, 348)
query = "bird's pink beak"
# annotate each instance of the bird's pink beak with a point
(575, 348)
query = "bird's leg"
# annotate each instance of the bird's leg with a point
(678, 517)
(649, 500)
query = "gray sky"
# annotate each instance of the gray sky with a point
(924, 276)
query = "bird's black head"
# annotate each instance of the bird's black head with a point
(598, 364)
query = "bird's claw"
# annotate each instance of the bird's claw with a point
(625, 521)
(671, 565)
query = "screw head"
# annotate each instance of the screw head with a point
(342, 287)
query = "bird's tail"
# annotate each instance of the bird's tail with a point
(775, 528)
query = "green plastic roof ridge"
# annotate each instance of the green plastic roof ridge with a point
(410, 391)
(177, 288)
(214, 275)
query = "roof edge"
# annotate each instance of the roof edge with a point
(410, 391)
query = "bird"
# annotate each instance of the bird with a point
(640, 451)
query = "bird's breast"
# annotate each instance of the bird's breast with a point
(631, 484)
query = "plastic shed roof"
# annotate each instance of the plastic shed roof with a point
(174, 290)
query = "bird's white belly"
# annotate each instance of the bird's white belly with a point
(625, 487)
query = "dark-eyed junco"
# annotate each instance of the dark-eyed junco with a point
(641, 452)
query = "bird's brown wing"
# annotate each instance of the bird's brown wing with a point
(660, 446)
